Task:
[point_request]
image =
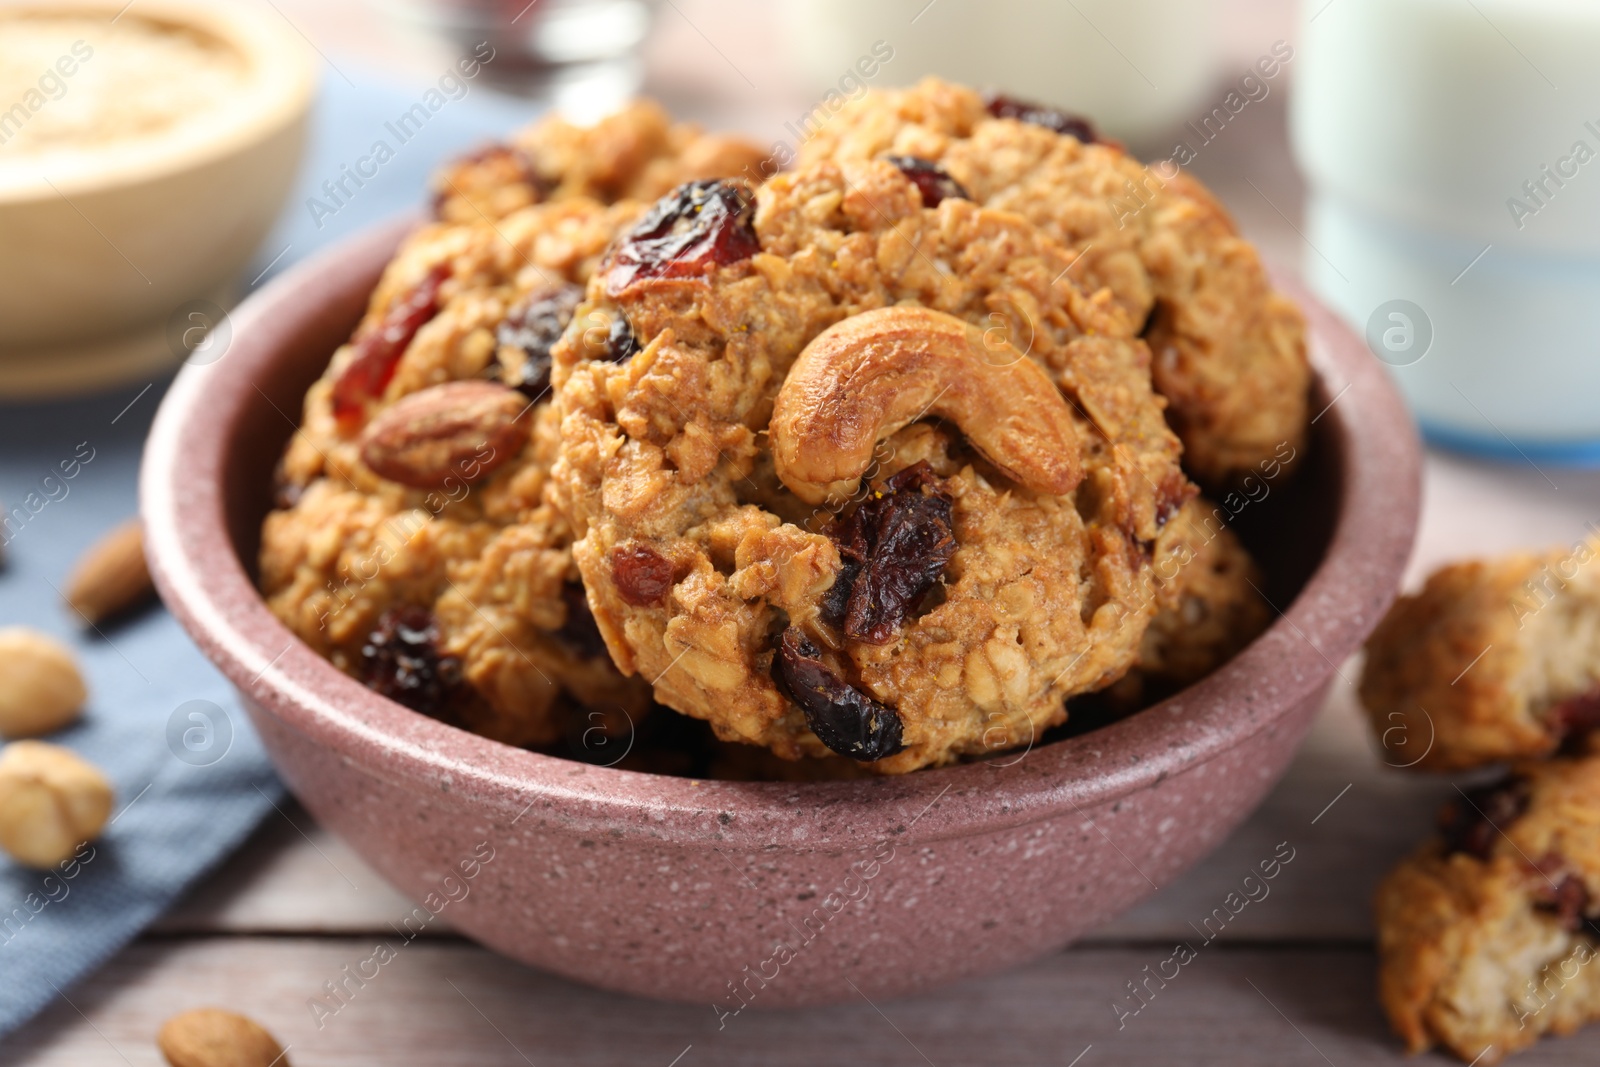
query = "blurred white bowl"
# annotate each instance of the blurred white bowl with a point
(103, 239)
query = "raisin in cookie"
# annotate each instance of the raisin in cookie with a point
(1487, 935)
(870, 475)
(637, 153)
(1492, 660)
(415, 545)
(1229, 351)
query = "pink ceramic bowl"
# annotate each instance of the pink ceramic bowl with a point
(785, 893)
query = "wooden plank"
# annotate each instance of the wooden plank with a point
(448, 1003)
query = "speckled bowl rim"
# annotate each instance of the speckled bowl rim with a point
(203, 582)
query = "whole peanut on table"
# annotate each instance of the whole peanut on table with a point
(41, 690)
(51, 801)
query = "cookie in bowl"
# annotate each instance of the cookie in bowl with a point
(869, 474)
(1210, 607)
(415, 544)
(637, 153)
(1229, 350)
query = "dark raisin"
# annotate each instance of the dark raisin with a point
(1472, 823)
(931, 180)
(533, 327)
(642, 574)
(836, 601)
(401, 660)
(1009, 107)
(1569, 902)
(580, 632)
(378, 350)
(691, 231)
(620, 342)
(894, 548)
(1575, 718)
(843, 717)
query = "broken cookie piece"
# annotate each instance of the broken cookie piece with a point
(1487, 936)
(1492, 661)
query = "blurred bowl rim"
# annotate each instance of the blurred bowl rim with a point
(280, 85)
(206, 585)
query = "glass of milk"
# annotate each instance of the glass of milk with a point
(1452, 150)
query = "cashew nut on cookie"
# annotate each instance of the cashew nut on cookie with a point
(863, 378)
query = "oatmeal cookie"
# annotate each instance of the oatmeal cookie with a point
(1229, 351)
(858, 469)
(1492, 660)
(1211, 607)
(416, 545)
(638, 153)
(1487, 935)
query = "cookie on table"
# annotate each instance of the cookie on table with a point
(637, 153)
(1211, 607)
(1492, 660)
(1229, 351)
(858, 469)
(1487, 935)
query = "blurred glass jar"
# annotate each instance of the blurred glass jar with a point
(1137, 68)
(581, 51)
(1454, 212)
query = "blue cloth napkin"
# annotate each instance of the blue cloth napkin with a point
(191, 778)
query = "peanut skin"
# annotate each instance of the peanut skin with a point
(862, 379)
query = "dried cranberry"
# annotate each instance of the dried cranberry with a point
(1576, 717)
(1569, 902)
(693, 230)
(642, 574)
(378, 350)
(894, 548)
(931, 180)
(533, 327)
(843, 717)
(1472, 823)
(401, 660)
(580, 632)
(1009, 107)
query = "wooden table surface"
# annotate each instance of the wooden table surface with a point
(1290, 982)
